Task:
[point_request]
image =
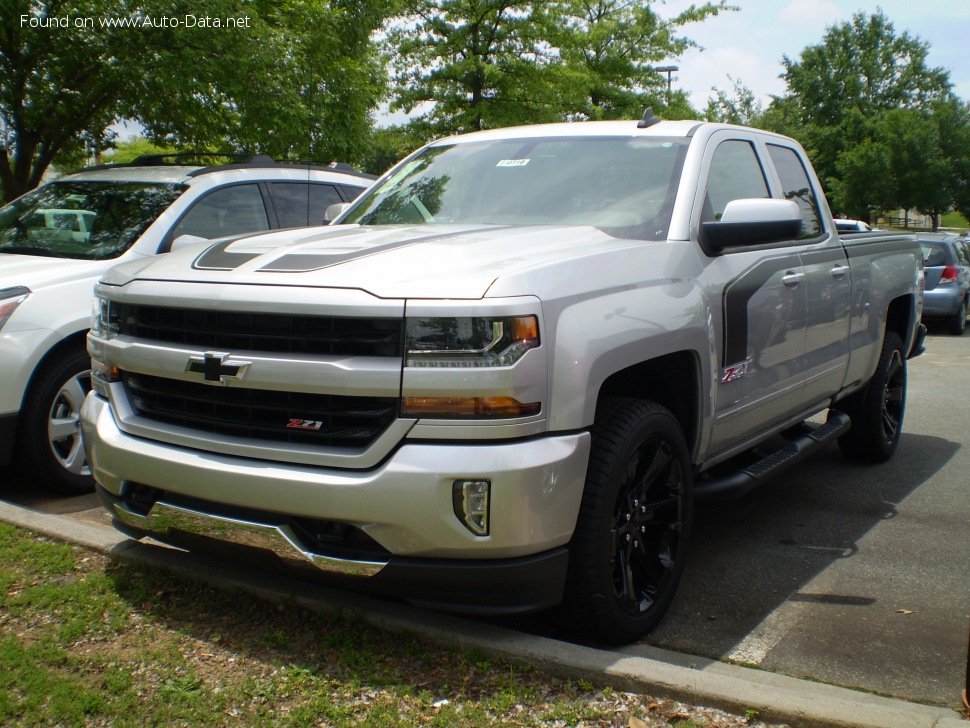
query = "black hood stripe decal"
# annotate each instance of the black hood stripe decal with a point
(306, 262)
(218, 257)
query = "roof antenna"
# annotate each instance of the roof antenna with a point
(648, 119)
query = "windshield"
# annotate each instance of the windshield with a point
(84, 220)
(623, 186)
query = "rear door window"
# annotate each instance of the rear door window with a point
(797, 187)
(299, 204)
(228, 211)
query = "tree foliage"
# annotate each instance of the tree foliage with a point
(299, 78)
(475, 64)
(611, 47)
(866, 104)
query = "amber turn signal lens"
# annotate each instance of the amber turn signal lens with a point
(525, 328)
(495, 408)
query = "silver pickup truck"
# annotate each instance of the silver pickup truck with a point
(503, 376)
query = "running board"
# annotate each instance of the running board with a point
(740, 482)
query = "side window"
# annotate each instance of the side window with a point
(321, 197)
(735, 174)
(228, 211)
(794, 179)
(964, 252)
(299, 204)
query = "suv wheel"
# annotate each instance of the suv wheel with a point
(51, 450)
(628, 551)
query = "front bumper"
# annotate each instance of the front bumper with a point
(404, 506)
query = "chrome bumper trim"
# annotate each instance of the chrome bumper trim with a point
(280, 540)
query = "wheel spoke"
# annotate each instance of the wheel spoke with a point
(652, 510)
(889, 424)
(894, 394)
(76, 461)
(63, 427)
(74, 392)
(629, 591)
(660, 461)
(653, 569)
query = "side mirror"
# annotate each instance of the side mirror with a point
(752, 222)
(334, 211)
(182, 240)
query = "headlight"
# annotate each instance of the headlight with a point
(470, 341)
(104, 318)
(10, 298)
(104, 325)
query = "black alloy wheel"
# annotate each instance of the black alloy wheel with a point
(629, 547)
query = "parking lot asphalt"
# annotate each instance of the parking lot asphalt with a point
(856, 576)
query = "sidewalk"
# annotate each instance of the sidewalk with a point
(777, 698)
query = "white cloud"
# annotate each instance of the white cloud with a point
(811, 13)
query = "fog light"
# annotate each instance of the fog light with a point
(470, 499)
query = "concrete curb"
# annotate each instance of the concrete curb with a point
(654, 671)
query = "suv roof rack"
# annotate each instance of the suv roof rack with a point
(264, 160)
(240, 161)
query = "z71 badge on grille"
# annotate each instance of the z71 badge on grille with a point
(298, 424)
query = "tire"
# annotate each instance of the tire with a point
(628, 551)
(957, 323)
(877, 410)
(49, 439)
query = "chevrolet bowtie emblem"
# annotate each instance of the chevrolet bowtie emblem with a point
(216, 367)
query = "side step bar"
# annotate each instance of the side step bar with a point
(740, 482)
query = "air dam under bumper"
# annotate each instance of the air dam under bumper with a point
(405, 506)
(463, 586)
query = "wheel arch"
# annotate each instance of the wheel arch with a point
(77, 339)
(900, 318)
(671, 380)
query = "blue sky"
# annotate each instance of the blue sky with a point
(749, 44)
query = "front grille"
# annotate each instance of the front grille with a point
(323, 420)
(269, 332)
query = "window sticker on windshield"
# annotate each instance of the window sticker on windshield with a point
(512, 162)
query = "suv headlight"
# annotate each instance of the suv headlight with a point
(10, 298)
(470, 341)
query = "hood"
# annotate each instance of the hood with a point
(39, 272)
(413, 261)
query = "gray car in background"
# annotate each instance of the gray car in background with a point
(947, 261)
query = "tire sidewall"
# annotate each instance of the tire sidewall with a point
(35, 459)
(590, 558)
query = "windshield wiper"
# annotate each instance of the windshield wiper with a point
(26, 250)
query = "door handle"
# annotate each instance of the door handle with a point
(792, 279)
(839, 271)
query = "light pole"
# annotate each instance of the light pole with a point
(669, 70)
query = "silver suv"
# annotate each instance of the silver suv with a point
(57, 240)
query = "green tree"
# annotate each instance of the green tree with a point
(466, 65)
(293, 78)
(742, 108)
(610, 48)
(844, 103)
(478, 64)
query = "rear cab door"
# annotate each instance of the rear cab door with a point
(827, 278)
(758, 298)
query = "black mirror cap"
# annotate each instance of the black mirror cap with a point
(716, 236)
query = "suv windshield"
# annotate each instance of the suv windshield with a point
(622, 186)
(84, 220)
